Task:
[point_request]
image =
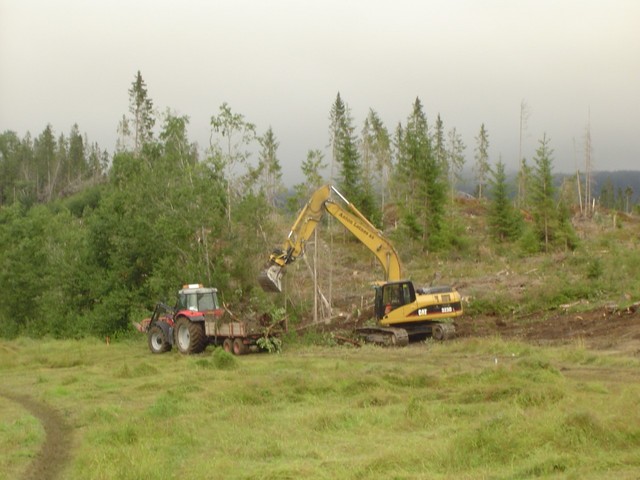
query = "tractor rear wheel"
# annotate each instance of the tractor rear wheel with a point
(190, 337)
(157, 340)
(239, 348)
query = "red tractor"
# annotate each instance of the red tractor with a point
(198, 320)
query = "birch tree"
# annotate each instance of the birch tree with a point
(379, 148)
(231, 150)
(455, 148)
(269, 168)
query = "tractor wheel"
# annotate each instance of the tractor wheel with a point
(227, 345)
(190, 337)
(157, 340)
(239, 348)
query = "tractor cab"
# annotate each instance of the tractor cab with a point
(392, 295)
(196, 298)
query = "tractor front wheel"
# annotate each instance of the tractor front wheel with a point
(158, 341)
(190, 337)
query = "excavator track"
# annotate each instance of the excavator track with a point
(443, 331)
(385, 336)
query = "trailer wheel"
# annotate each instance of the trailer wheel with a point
(227, 345)
(157, 340)
(239, 348)
(190, 336)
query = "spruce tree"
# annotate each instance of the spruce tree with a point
(77, 155)
(9, 167)
(351, 179)
(367, 163)
(336, 119)
(421, 181)
(440, 146)
(380, 147)
(45, 158)
(505, 223)
(543, 206)
(60, 167)
(141, 109)
(348, 160)
(628, 193)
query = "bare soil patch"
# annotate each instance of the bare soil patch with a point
(604, 328)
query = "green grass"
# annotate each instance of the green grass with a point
(20, 437)
(466, 409)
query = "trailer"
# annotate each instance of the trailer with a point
(198, 320)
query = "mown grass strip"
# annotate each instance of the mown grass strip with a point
(480, 408)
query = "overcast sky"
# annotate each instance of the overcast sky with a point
(281, 63)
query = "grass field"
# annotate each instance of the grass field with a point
(468, 409)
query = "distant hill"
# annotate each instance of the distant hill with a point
(619, 180)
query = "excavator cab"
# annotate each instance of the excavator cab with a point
(392, 295)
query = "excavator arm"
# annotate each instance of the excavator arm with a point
(349, 216)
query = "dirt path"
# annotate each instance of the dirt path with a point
(56, 449)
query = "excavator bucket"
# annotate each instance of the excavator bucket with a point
(270, 278)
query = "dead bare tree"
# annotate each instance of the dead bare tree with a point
(324, 304)
(525, 113)
(578, 180)
(588, 170)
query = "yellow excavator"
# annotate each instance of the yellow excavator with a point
(401, 310)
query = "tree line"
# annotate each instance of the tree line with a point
(88, 241)
(42, 169)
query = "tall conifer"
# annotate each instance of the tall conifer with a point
(504, 221)
(141, 109)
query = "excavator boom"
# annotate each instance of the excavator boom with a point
(347, 214)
